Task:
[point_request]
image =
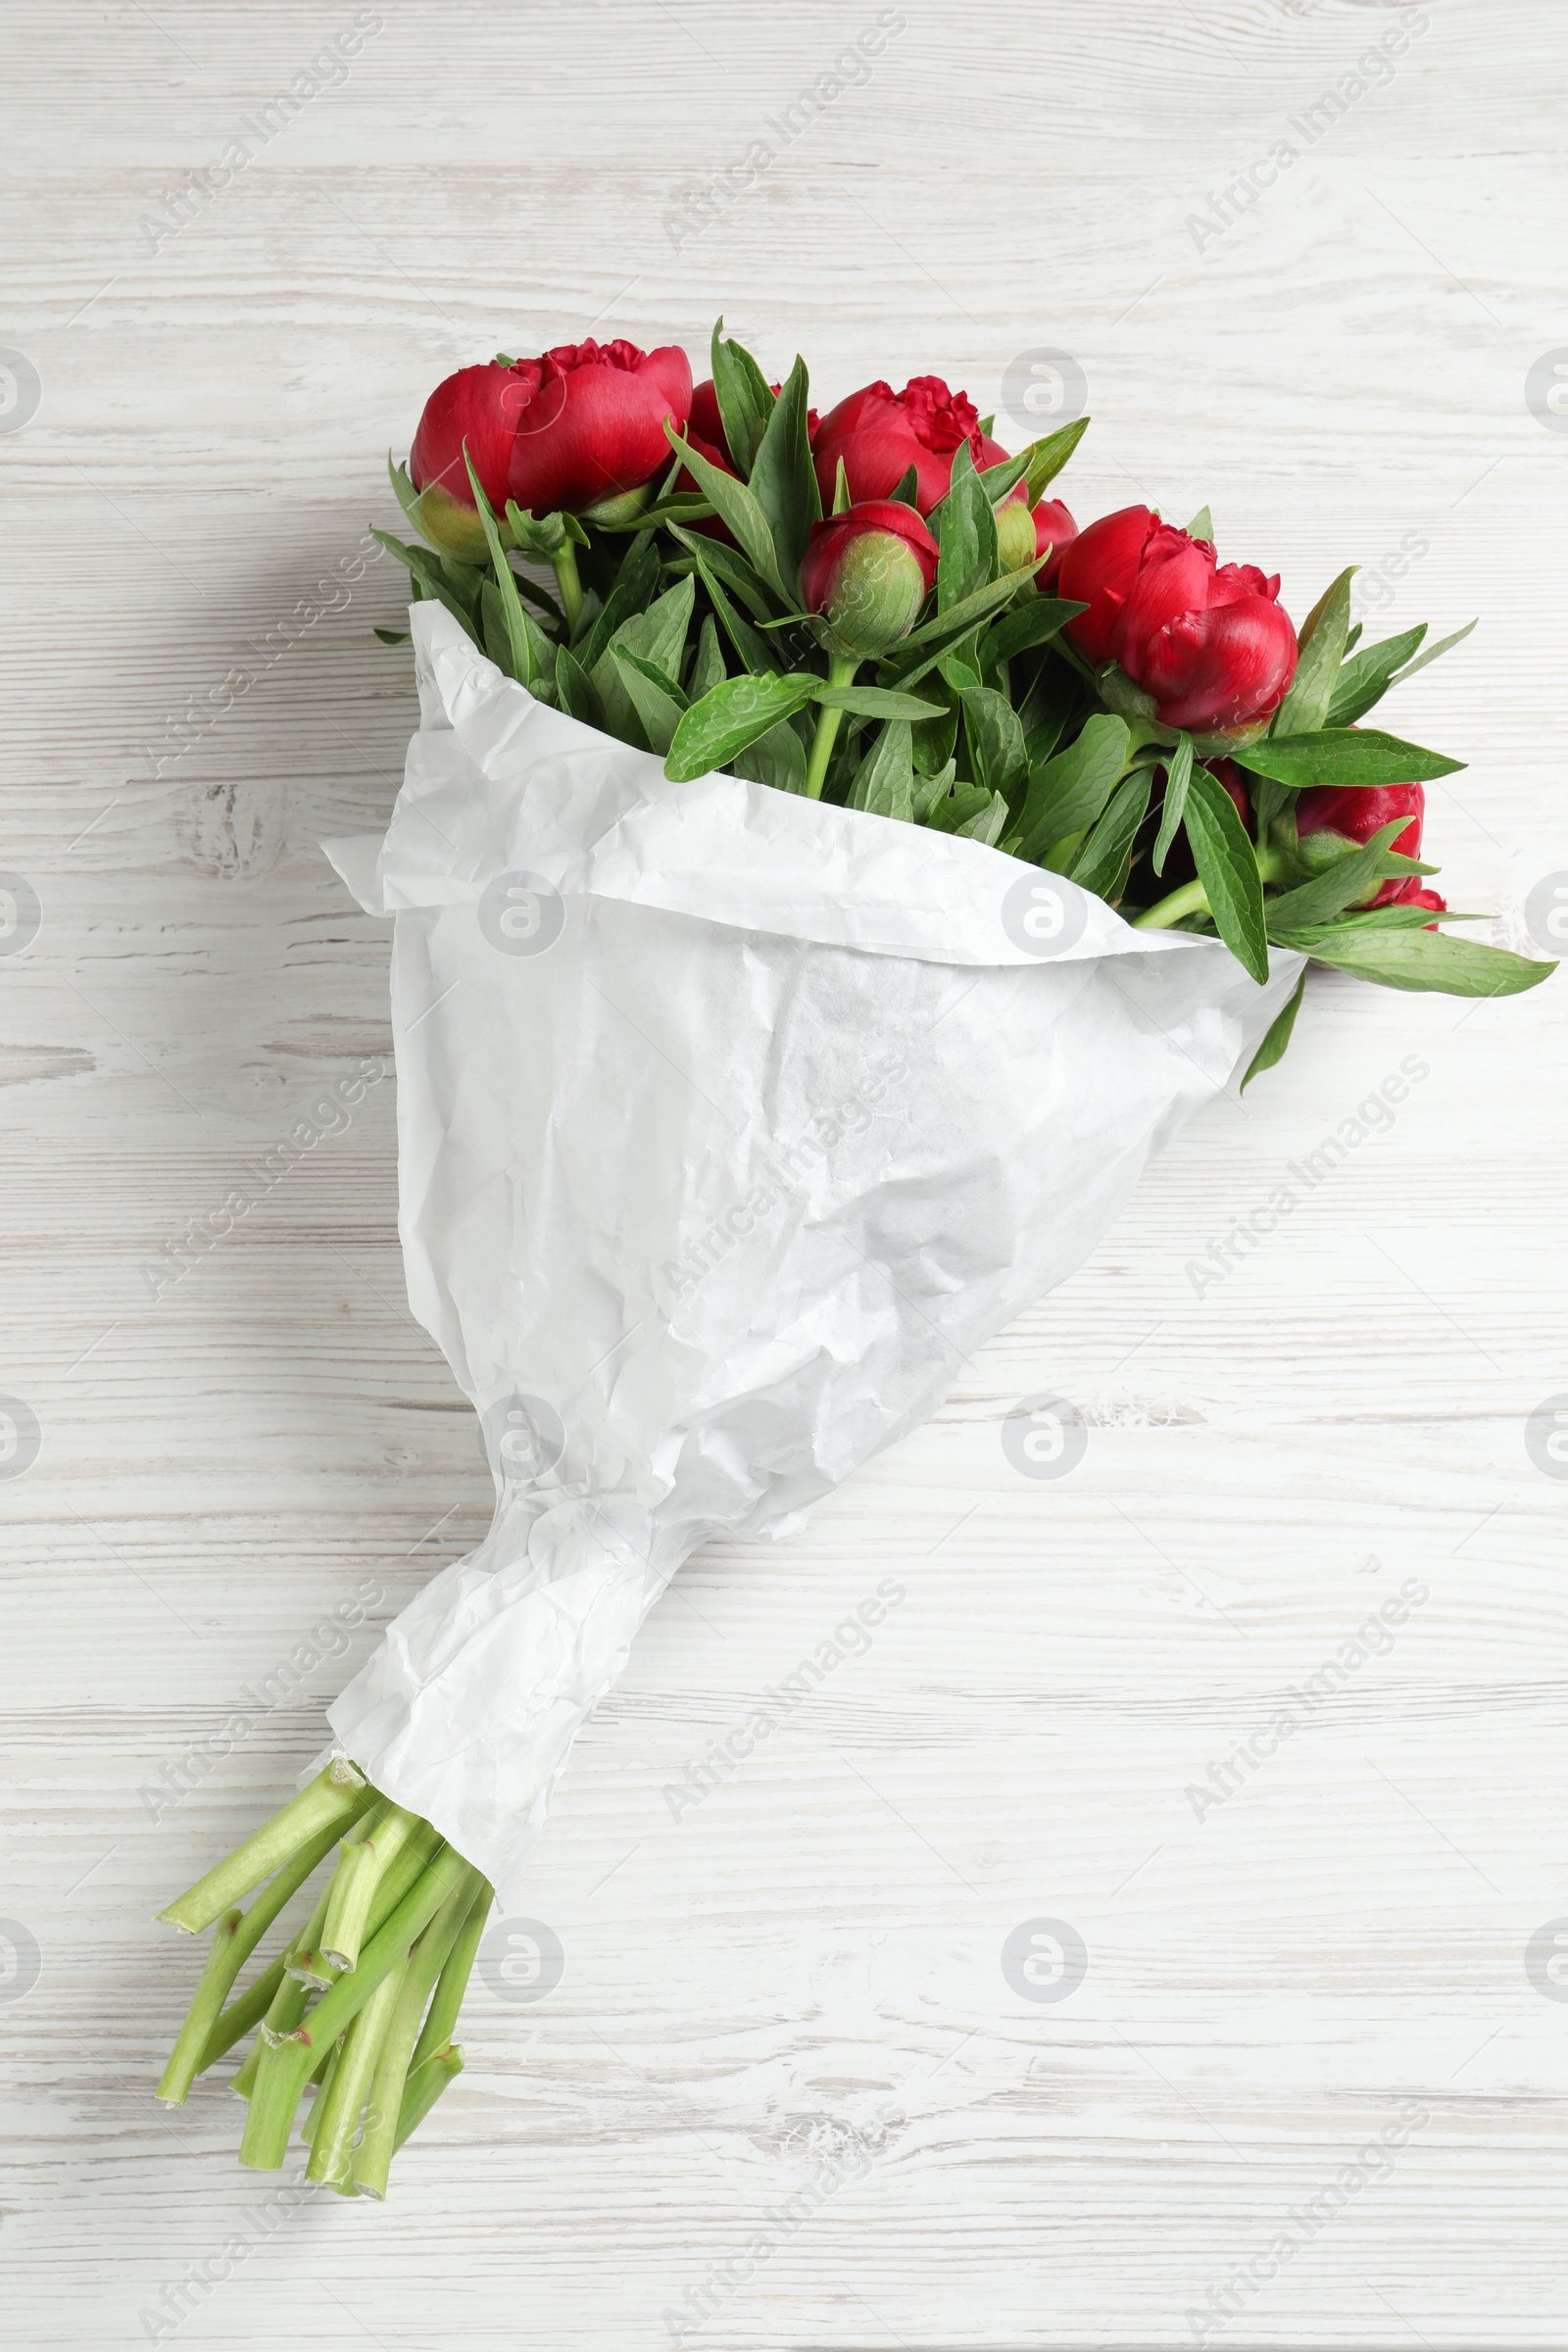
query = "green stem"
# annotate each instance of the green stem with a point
(286, 2066)
(841, 671)
(242, 2013)
(360, 1867)
(1193, 899)
(564, 560)
(329, 1800)
(234, 1940)
(373, 2157)
(346, 2087)
(307, 1959)
(424, 2088)
(324, 2081)
(453, 1983)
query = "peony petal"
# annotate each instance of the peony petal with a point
(1224, 667)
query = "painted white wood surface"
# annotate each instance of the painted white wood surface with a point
(801, 1979)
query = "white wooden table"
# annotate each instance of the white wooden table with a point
(797, 1992)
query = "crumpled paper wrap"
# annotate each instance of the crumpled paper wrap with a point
(729, 1125)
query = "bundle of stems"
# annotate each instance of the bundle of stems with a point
(362, 2003)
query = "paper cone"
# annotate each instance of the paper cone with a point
(729, 1126)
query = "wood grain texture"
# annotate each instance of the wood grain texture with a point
(793, 1991)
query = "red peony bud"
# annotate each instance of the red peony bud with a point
(566, 433)
(867, 571)
(1339, 817)
(880, 433)
(1209, 645)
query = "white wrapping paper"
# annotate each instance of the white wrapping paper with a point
(729, 1126)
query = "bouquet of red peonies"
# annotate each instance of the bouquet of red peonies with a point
(823, 876)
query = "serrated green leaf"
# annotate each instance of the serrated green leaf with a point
(1418, 959)
(1320, 651)
(734, 503)
(1344, 755)
(1227, 868)
(1178, 775)
(1365, 679)
(1103, 864)
(731, 716)
(782, 480)
(1068, 794)
(745, 399)
(1276, 1037)
(884, 781)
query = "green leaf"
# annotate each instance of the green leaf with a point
(408, 497)
(906, 487)
(1103, 864)
(1178, 775)
(1004, 476)
(733, 503)
(783, 482)
(841, 501)
(635, 584)
(1277, 1037)
(986, 824)
(966, 534)
(1321, 650)
(776, 759)
(393, 636)
(574, 690)
(1031, 622)
(732, 568)
(731, 716)
(1418, 959)
(931, 791)
(1433, 653)
(541, 535)
(658, 635)
(869, 701)
(995, 738)
(1338, 887)
(1227, 868)
(884, 781)
(957, 812)
(1365, 679)
(1344, 755)
(430, 574)
(1049, 455)
(708, 663)
(745, 399)
(513, 651)
(660, 705)
(1201, 525)
(759, 655)
(1069, 792)
(945, 630)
